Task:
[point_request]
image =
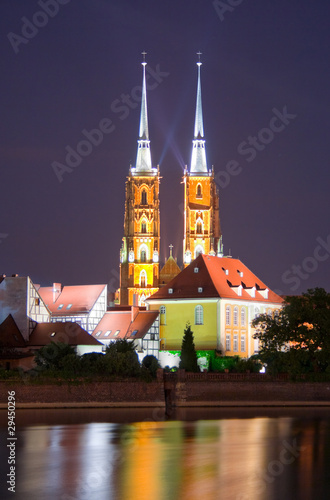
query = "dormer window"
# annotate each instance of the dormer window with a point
(170, 290)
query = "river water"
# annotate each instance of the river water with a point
(205, 454)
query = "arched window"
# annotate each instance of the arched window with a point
(143, 227)
(199, 191)
(143, 278)
(198, 315)
(256, 312)
(143, 253)
(144, 197)
(243, 317)
(199, 227)
(235, 316)
(228, 315)
(198, 250)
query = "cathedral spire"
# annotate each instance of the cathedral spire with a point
(198, 156)
(143, 157)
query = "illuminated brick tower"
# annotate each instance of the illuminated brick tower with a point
(139, 256)
(202, 232)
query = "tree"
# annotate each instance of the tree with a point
(151, 363)
(297, 339)
(52, 356)
(188, 353)
(121, 359)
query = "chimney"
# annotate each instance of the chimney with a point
(57, 288)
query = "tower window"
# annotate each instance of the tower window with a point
(199, 228)
(143, 227)
(199, 191)
(143, 279)
(199, 315)
(144, 197)
(143, 256)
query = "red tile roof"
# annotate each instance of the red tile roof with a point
(66, 332)
(121, 322)
(216, 277)
(81, 297)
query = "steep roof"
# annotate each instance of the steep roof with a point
(169, 271)
(10, 335)
(222, 277)
(82, 299)
(66, 332)
(121, 322)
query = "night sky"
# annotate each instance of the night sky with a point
(261, 59)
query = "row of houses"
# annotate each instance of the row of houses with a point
(218, 296)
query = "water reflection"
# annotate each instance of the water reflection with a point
(232, 459)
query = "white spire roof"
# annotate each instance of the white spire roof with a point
(198, 155)
(143, 157)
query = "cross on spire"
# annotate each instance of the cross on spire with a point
(199, 58)
(144, 53)
(171, 248)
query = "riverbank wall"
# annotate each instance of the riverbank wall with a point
(171, 390)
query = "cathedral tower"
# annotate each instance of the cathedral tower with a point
(202, 232)
(139, 256)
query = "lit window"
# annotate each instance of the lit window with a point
(235, 316)
(228, 315)
(144, 197)
(227, 342)
(243, 317)
(235, 349)
(53, 334)
(243, 343)
(107, 333)
(199, 315)
(60, 306)
(98, 333)
(116, 333)
(143, 278)
(69, 306)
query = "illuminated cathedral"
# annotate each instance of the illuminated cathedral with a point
(139, 256)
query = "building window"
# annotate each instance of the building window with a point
(228, 315)
(143, 227)
(199, 228)
(235, 349)
(227, 342)
(243, 348)
(256, 312)
(199, 315)
(144, 197)
(199, 191)
(143, 279)
(143, 256)
(235, 316)
(243, 317)
(162, 311)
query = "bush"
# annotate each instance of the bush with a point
(150, 362)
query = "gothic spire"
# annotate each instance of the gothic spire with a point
(143, 157)
(198, 156)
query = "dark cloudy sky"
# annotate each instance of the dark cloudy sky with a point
(261, 59)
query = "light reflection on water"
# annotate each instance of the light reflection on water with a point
(261, 458)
